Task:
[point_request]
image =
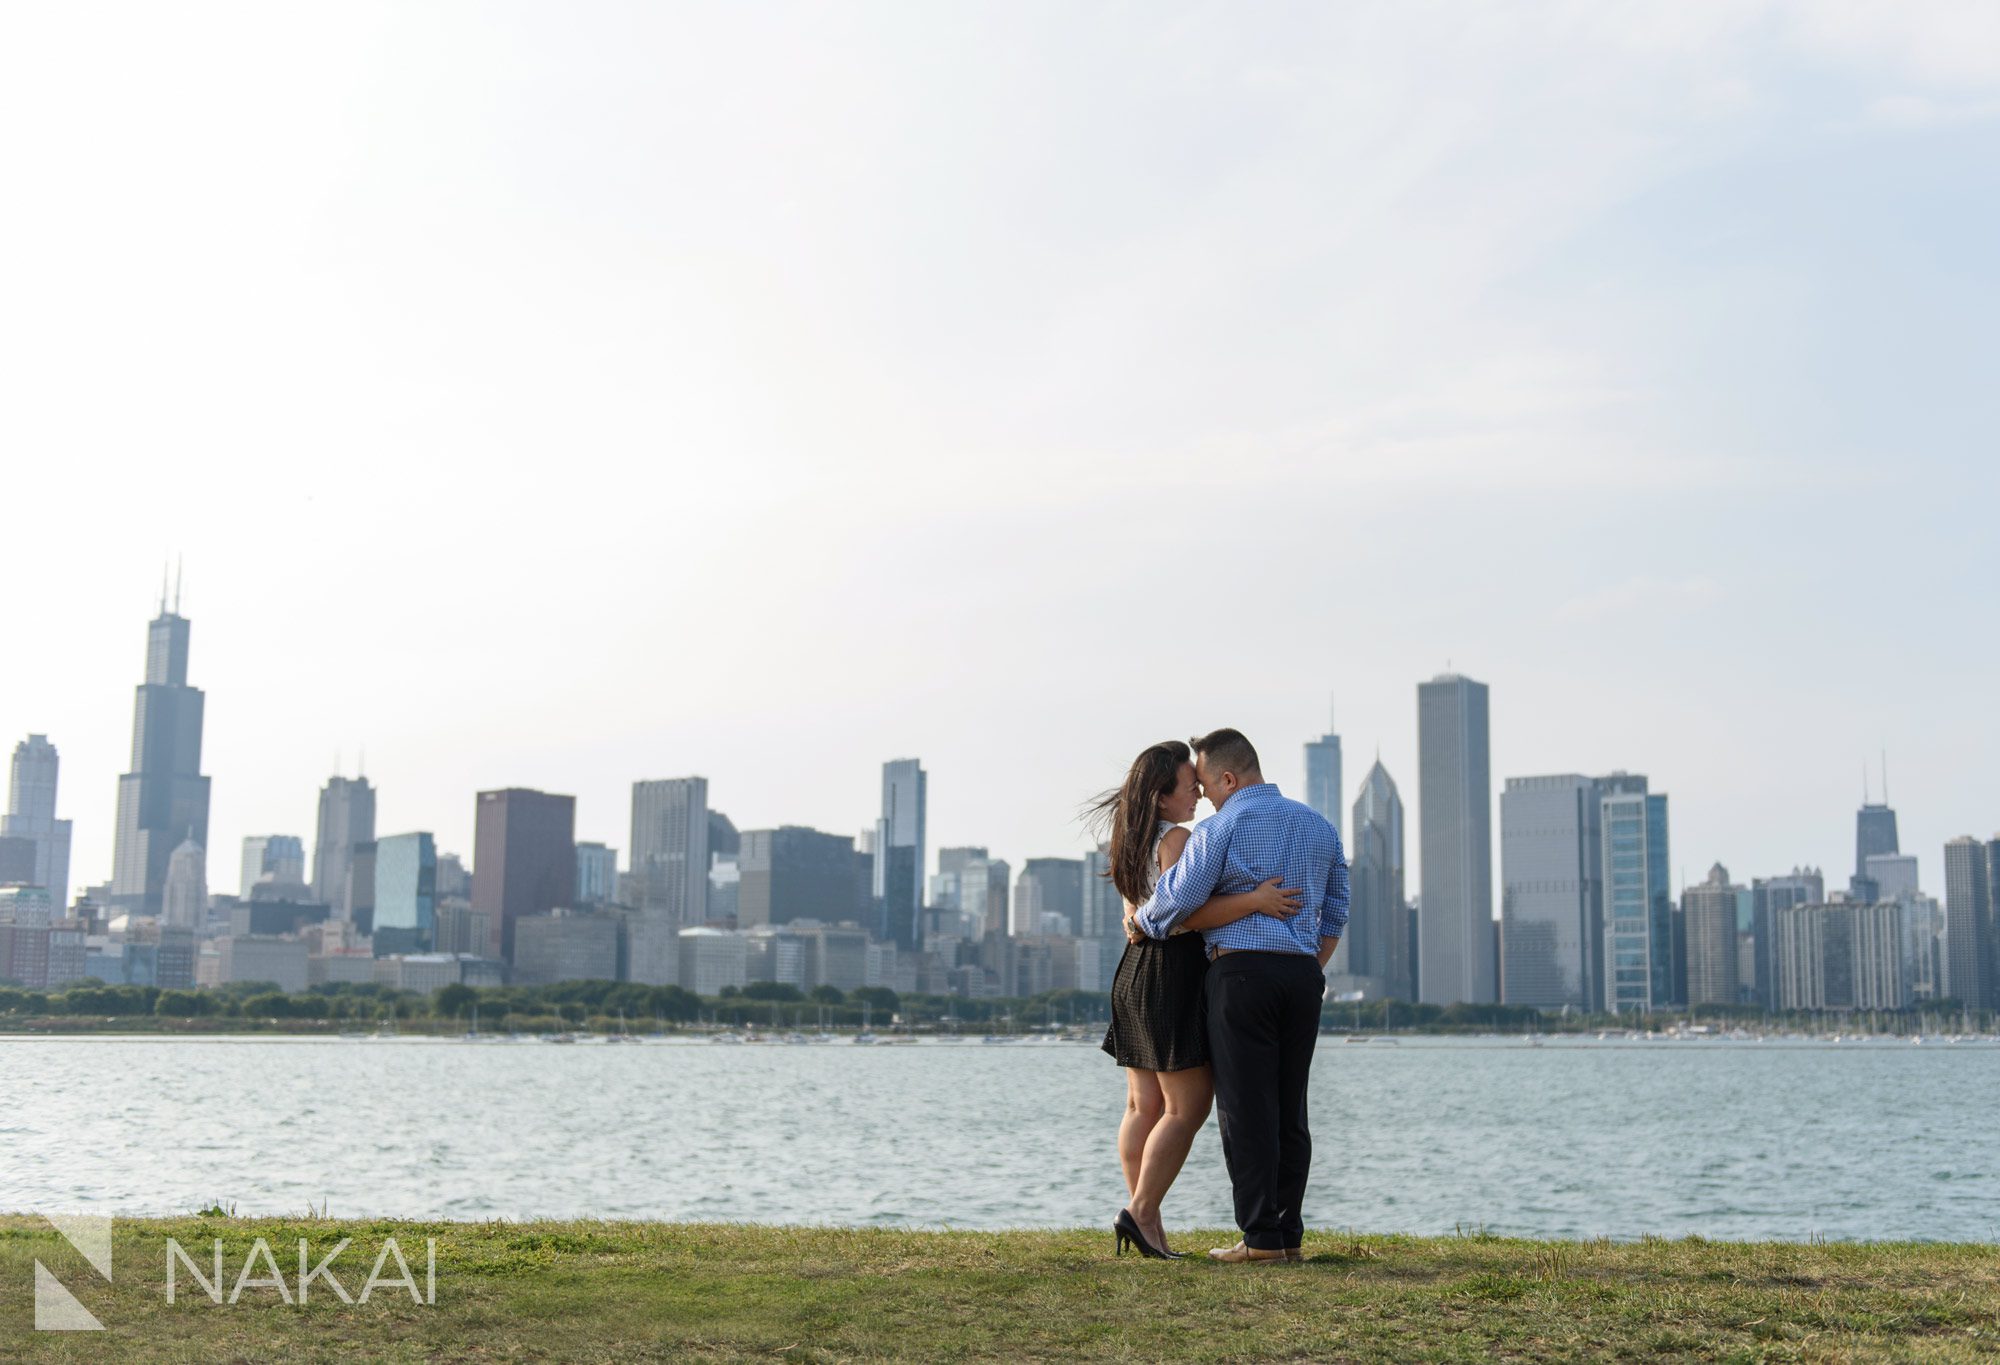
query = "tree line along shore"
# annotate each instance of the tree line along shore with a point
(621, 1007)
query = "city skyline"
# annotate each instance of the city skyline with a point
(1590, 916)
(350, 802)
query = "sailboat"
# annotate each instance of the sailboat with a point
(866, 1035)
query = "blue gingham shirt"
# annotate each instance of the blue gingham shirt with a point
(1258, 834)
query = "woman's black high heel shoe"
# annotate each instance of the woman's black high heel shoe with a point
(1127, 1228)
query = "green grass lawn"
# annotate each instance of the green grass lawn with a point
(596, 1291)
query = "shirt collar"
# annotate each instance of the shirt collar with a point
(1262, 791)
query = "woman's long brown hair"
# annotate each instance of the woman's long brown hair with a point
(1132, 813)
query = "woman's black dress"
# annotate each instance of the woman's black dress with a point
(1158, 1013)
(1157, 1010)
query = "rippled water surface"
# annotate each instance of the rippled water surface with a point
(1725, 1139)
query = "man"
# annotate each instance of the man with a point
(1266, 978)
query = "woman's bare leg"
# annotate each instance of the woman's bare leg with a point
(1186, 1096)
(1143, 1106)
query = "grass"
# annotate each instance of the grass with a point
(597, 1291)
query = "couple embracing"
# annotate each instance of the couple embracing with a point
(1217, 997)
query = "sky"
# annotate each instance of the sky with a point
(559, 396)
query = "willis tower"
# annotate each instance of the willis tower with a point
(164, 799)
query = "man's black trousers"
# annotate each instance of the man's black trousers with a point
(1263, 1019)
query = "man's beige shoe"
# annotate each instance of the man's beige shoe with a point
(1295, 1253)
(1247, 1255)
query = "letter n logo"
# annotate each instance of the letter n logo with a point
(56, 1309)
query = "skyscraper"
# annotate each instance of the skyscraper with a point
(1874, 832)
(1874, 835)
(1050, 886)
(1323, 788)
(1768, 895)
(1709, 911)
(1374, 953)
(670, 846)
(596, 874)
(31, 815)
(1551, 891)
(523, 860)
(985, 892)
(1893, 875)
(1103, 907)
(1993, 922)
(899, 852)
(163, 800)
(272, 857)
(794, 873)
(184, 896)
(405, 912)
(1455, 801)
(947, 891)
(1968, 922)
(346, 819)
(1639, 954)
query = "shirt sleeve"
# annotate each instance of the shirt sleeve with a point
(1186, 886)
(1333, 908)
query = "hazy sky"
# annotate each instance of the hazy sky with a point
(556, 396)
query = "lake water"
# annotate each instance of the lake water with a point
(1573, 1139)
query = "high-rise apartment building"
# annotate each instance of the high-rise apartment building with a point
(1993, 922)
(523, 860)
(163, 800)
(1455, 934)
(1768, 895)
(1639, 957)
(670, 846)
(1968, 929)
(1843, 956)
(1709, 913)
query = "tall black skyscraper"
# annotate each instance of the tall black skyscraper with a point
(163, 801)
(1874, 832)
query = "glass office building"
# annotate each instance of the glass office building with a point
(405, 894)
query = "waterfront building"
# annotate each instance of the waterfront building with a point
(670, 829)
(523, 860)
(163, 800)
(899, 852)
(1455, 935)
(31, 816)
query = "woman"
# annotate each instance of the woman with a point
(1157, 1031)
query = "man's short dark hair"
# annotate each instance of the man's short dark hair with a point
(1229, 751)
